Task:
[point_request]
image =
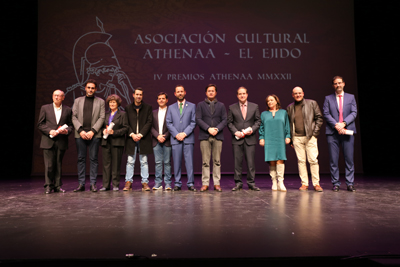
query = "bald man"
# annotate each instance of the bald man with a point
(305, 119)
(54, 139)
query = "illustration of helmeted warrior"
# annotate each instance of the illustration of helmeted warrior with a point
(94, 58)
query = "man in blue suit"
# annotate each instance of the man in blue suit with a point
(340, 112)
(181, 121)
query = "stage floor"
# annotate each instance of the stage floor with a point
(202, 225)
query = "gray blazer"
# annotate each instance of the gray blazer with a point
(98, 115)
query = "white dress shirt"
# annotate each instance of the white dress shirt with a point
(161, 116)
(57, 112)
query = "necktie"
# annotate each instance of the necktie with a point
(243, 112)
(340, 109)
(180, 108)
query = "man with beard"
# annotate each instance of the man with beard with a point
(340, 112)
(181, 121)
(88, 114)
(140, 119)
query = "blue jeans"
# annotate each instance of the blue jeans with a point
(130, 166)
(81, 148)
(162, 154)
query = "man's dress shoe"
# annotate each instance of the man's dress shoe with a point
(191, 188)
(335, 188)
(79, 188)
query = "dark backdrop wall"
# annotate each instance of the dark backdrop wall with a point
(373, 59)
(267, 46)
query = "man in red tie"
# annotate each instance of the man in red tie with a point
(243, 122)
(340, 112)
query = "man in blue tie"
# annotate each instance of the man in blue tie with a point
(181, 121)
(340, 112)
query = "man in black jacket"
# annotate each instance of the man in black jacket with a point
(305, 123)
(140, 118)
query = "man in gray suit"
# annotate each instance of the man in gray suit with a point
(243, 122)
(54, 140)
(88, 114)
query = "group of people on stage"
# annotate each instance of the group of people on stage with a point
(169, 130)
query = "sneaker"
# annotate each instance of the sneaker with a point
(168, 187)
(157, 187)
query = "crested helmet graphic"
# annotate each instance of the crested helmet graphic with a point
(94, 58)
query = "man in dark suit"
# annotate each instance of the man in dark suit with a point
(54, 139)
(243, 122)
(340, 112)
(138, 141)
(161, 143)
(181, 122)
(88, 115)
(211, 118)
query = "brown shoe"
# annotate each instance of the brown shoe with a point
(128, 186)
(204, 188)
(318, 188)
(217, 188)
(145, 187)
(303, 188)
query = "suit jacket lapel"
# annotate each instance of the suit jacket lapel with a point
(248, 111)
(94, 106)
(107, 117)
(164, 129)
(116, 116)
(345, 101)
(335, 102)
(80, 107)
(52, 114)
(61, 117)
(155, 118)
